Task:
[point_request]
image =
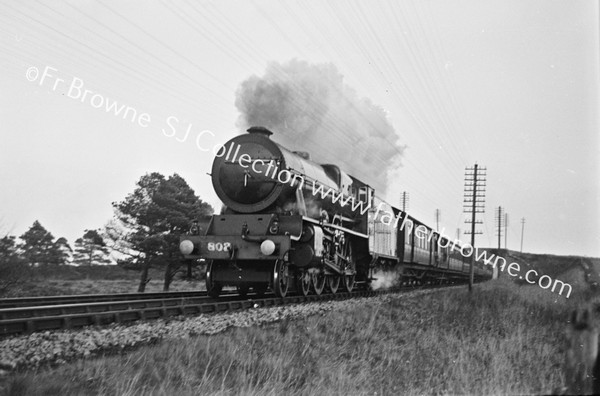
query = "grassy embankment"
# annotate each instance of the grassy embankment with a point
(502, 339)
(65, 280)
(577, 271)
(97, 279)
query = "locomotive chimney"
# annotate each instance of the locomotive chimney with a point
(259, 130)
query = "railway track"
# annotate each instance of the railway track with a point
(91, 298)
(94, 311)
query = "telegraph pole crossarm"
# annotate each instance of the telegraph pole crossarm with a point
(474, 202)
(499, 225)
(404, 201)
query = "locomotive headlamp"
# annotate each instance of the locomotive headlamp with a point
(267, 247)
(186, 246)
(274, 227)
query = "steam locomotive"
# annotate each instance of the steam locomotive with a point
(289, 223)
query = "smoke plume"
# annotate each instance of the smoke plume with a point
(386, 279)
(310, 108)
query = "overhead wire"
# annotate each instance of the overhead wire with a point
(169, 70)
(93, 52)
(357, 42)
(282, 31)
(419, 66)
(173, 51)
(429, 110)
(342, 138)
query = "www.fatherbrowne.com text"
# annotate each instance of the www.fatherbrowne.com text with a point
(284, 176)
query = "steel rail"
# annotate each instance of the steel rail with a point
(66, 316)
(83, 298)
(90, 298)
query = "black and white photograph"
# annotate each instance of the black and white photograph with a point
(300, 197)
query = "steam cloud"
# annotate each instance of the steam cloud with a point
(309, 108)
(386, 279)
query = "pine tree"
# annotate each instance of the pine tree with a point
(66, 253)
(39, 247)
(91, 249)
(154, 216)
(13, 270)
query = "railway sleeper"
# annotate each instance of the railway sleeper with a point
(78, 320)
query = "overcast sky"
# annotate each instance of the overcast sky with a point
(511, 85)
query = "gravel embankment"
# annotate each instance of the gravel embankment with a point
(34, 350)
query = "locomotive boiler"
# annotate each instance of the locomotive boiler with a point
(290, 223)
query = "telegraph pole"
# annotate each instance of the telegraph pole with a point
(522, 231)
(499, 222)
(505, 230)
(404, 201)
(474, 202)
(437, 220)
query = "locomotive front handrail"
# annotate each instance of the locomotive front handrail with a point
(249, 238)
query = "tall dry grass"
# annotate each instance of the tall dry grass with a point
(502, 339)
(68, 280)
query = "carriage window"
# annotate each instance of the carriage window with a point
(363, 194)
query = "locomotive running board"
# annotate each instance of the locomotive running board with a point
(317, 222)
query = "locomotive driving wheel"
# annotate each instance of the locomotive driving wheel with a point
(318, 281)
(213, 289)
(303, 282)
(345, 260)
(339, 250)
(333, 283)
(280, 278)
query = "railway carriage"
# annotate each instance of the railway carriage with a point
(290, 223)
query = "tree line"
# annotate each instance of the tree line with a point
(143, 232)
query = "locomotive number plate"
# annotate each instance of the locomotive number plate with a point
(218, 246)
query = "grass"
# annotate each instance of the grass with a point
(58, 287)
(549, 264)
(69, 280)
(502, 339)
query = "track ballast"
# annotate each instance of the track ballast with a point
(94, 311)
